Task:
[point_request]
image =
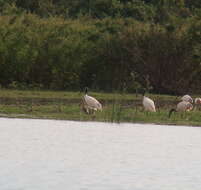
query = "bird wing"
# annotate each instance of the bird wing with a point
(149, 104)
(181, 106)
(187, 98)
(184, 106)
(92, 102)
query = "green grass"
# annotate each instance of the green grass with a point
(116, 107)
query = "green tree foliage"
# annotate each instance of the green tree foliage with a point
(105, 45)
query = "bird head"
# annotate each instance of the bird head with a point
(142, 92)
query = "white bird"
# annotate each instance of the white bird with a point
(148, 103)
(198, 101)
(187, 98)
(182, 107)
(90, 103)
(84, 107)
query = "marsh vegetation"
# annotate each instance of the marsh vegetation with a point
(105, 45)
(116, 107)
(112, 46)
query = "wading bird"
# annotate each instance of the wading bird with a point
(148, 103)
(182, 107)
(90, 104)
(84, 107)
(198, 101)
(187, 98)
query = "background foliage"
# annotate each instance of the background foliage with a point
(109, 45)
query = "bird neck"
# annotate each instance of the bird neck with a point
(86, 90)
(143, 93)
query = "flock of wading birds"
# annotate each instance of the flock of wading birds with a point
(90, 104)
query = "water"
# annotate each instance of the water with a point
(66, 155)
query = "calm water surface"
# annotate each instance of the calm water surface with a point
(66, 155)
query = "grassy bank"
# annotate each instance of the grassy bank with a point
(116, 107)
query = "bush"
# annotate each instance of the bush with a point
(107, 54)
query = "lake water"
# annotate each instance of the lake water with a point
(66, 155)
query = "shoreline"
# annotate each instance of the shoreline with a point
(117, 108)
(24, 116)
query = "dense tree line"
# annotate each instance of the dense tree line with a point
(103, 44)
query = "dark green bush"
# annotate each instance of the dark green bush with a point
(110, 54)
